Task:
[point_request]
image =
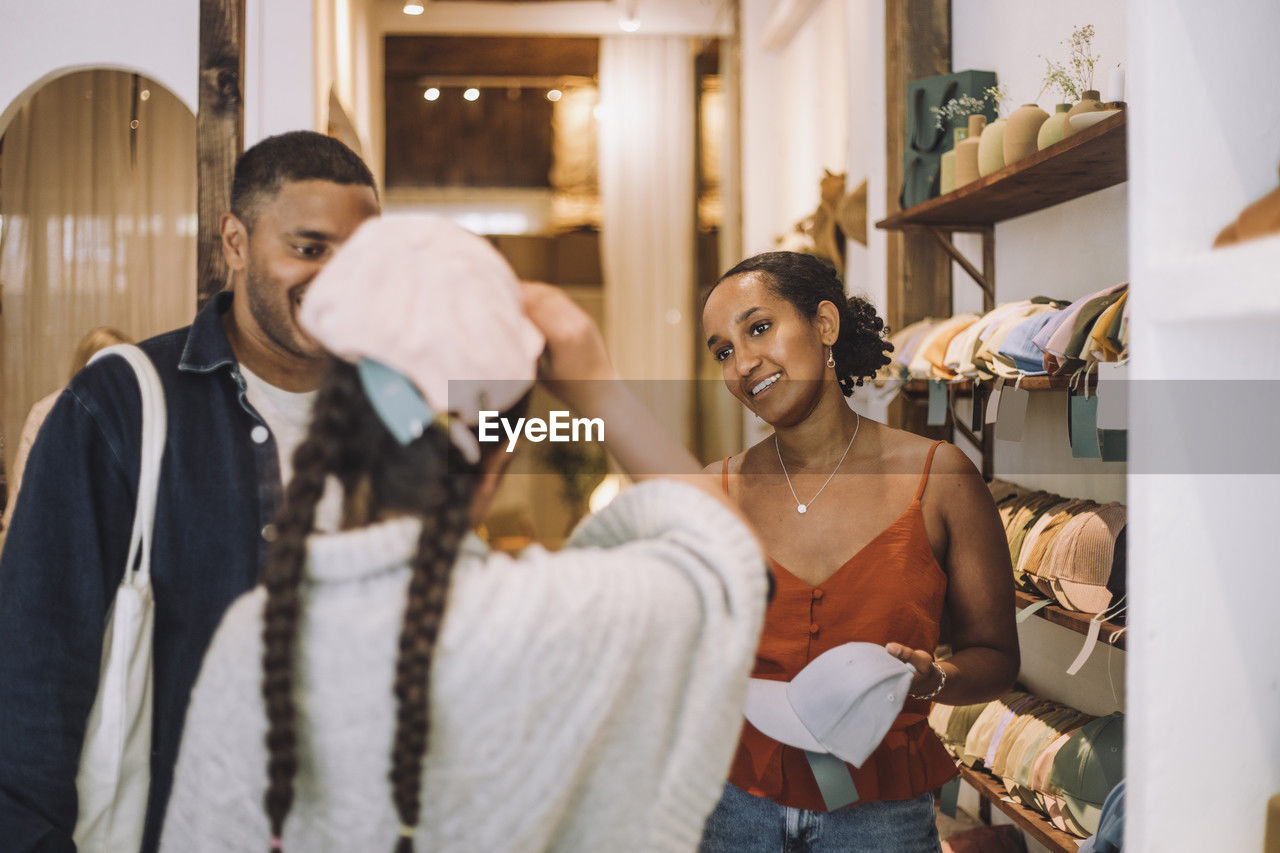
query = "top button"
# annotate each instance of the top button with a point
(259, 434)
(817, 595)
(813, 629)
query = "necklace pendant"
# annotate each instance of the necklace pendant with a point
(801, 508)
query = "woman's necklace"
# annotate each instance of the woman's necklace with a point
(803, 508)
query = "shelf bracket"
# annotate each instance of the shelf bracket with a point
(986, 279)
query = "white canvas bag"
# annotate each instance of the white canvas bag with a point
(114, 779)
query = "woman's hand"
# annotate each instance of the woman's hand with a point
(928, 678)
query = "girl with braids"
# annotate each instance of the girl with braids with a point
(875, 535)
(394, 685)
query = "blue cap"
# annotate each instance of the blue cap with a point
(1019, 348)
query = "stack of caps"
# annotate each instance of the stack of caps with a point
(1068, 550)
(1032, 337)
(1051, 758)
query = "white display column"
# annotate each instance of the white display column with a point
(1203, 747)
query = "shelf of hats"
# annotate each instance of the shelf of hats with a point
(1048, 767)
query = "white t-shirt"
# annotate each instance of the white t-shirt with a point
(288, 415)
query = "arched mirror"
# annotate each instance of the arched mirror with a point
(98, 228)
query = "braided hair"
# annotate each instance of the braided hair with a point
(805, 281)
(428, 478)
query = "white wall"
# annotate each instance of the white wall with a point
(39, 41)
(160, 38)
(794, 119)
(1204, 684)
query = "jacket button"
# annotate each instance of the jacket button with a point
(817, 595)
(259, 434)
(813, 629)
(269, 532)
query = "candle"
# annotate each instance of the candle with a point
(1116, 87)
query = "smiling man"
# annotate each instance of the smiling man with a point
(239, 384)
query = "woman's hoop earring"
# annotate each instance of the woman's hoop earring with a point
(831, 357)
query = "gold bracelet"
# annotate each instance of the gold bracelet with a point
(942, 682)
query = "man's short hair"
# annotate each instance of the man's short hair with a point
(300, 155)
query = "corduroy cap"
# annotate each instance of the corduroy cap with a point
(1081, 561)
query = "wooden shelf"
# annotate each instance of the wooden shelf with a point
(1085, 162)
(1031, 822)
(1072, 620)
(1029, 383)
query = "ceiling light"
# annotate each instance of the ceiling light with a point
(554, 95)
(413, 7)
(472, 94)
(629, 20)
(431, 94)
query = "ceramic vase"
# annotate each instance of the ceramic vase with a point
(947, 166)
(967, 152)
(1020, 132)
(1051, 130)
(991, 147)
(1089, 103)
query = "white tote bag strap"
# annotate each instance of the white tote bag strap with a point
(154, 429)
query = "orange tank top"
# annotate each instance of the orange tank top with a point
(890, 591)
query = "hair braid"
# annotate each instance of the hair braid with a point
(445, 522)
(320, 454)
(429, 479)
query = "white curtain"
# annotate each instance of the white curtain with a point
(98, 199)
(648, 199)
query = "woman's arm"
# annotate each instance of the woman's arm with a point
(980, 601)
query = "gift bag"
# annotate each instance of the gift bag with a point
(926, 141)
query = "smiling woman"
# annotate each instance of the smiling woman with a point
(925, 541)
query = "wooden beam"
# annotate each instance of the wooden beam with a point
(917, 44)
(979, 278)
(219, 132)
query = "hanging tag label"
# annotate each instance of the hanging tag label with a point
(1113, 396)
(1090, 640)
(949, 797)
(1082, 425)
(993, 402)
(937, 403)
(835, 782)
(1032, 609)
(976, 419)
(1114, 445)
(1013, 414)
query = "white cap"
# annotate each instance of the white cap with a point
(843, 702)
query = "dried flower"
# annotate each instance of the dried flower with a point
(997, 96)
(957, 108)
(1074, 77)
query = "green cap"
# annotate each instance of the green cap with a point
(1088, 766)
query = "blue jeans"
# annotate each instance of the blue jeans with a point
(742, 823)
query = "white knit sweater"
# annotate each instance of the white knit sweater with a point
(584, 700)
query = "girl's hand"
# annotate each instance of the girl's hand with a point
(575, 350)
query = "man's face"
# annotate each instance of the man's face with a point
(295, 234)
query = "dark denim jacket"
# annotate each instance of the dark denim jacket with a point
(65, 552)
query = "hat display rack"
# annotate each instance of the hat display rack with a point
(1070, 553)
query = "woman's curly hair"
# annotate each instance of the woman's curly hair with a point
(803, 280)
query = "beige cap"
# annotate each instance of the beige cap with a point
(1081, 562)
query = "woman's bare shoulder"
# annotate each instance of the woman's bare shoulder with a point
(747, 459)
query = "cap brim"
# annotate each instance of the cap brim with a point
(1085, 597)
(770, 711)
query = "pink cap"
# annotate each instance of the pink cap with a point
(434, 302)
